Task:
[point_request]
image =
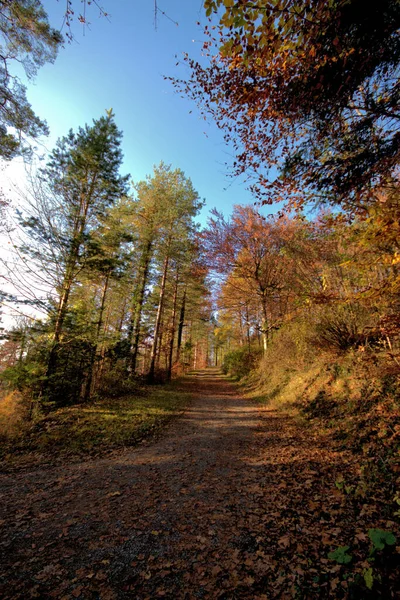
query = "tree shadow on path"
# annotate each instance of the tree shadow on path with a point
(225, 505)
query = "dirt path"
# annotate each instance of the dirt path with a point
(228, 504)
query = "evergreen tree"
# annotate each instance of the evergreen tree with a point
(80, 183)
(180, 204)
(27, 38)
(165, 208)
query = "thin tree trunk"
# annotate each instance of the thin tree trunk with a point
(134, 330)
(172, 339)
(159, 348)
(180, 326)
(158, 320)
(123, 313)
(242, 340)
(58, 328)
(102, 352)
(248, 327)
(79, 228)
(96, 340)
(264, 326)
(102, 355)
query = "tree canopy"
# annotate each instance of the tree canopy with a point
(308, 88)
(26, 38)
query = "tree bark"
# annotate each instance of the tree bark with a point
(172, 338)
(72, 261)
(264, 325)
(134, 335)
(248, 327)
(157, 326)
(181, 325)
(93, 352)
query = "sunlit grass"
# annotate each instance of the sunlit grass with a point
(13, 416)
(95, 428)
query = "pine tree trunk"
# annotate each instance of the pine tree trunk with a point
(159, 347)
(158, 321)
(102, 352)
(58, 328)
(93, 352)
(180, 326)
(79, 228)
(123, 313)
(134, 335)
(172, 338)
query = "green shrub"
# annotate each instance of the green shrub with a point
(241, 362)
(114, 382)
(23, 376)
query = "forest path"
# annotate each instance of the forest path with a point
(227, 504)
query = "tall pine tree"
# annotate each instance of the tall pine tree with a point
(83, 176)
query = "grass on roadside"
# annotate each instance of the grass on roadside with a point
(95, 428)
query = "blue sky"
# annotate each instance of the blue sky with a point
(120, 63)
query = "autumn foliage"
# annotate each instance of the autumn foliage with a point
(306, 92)
(301, 306)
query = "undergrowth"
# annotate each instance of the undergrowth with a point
(351, 399)
(86, 429)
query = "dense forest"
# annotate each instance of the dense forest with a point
(119, 288)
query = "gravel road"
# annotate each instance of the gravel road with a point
(210, 510)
